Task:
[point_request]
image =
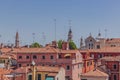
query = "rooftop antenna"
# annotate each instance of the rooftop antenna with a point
(105, 33)
(65, 33)
(99, 34)
(0, 36)
(55, 28)
(70, 24)
(44, 38)
(33, 37)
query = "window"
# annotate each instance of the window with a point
(115, 77)
(27, 64)
(34, 57)
(20, 57)
(114, 66)
(43, 57)
(68, 67)
(19, 65)
(27, 57)
(91, 46)
(57, 78)
(51, 57)
(60, 56)
(98, 46)
(100, 55)
(30, 77)
(39, 77)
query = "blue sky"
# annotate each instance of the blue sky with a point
(37, 16)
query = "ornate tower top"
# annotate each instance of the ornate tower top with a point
(17, 40)
(81, 42)
(70, 32)
(69, 35)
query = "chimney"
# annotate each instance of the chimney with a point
(65, 45)
(1, 45)
(12, 46)
(54, 44)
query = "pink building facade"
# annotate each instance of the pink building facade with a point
(70, 60)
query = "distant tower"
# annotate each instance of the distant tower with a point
(70, 33)
(99, 34)
(17, 40)
(81, 42)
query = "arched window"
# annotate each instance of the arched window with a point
(20, 57)
(27, 57)
(34, 57)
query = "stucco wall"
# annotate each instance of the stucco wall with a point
(61, 74)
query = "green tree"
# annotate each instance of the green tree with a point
(60, 44)
(36, 45)
(72, 45)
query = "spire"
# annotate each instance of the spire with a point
(99, 34)
(90, 34)
(70, 32)
(17, 40)
(81, 42)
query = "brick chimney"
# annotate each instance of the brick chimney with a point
(1, 45)
(65, 45)
(54, 44)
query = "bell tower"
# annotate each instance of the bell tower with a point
(70, 33)
(17, 40)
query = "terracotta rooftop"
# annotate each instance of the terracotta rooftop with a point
(69, 51)
(95, 73)
(104, 50)
(48, 69)
(39, 69)
(36, 50)
(3, 72)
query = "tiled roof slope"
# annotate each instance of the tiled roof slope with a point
(95, 73)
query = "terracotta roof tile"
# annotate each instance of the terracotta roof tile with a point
(106, 49)
(39, 69)
(48, 69)
(95, 73)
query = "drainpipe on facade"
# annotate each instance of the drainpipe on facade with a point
(33, 70)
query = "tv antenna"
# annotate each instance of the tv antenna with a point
(44, 38)
(55, 28)
(33, 37)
